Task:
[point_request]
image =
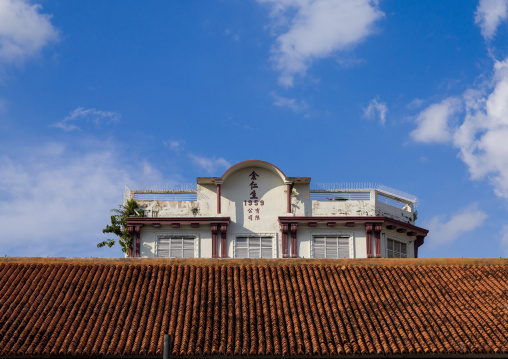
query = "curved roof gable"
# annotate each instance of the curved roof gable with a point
(251, 163)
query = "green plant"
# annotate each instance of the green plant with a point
(118, 225)
(415, 216)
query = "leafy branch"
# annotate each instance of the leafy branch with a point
(118, 225)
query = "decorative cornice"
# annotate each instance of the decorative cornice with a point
(132, 221)
(390, 222)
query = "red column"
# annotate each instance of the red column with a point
(213, 227)
(284, 240)
(418, 242)
(137, 229)
(294, 252)
(288, 190)
(377, 240)
(223, 241)
(368, 236)
(218, 198)
(131, 234)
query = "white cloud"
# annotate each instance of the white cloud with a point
(489, 14)
(175, 145)
(24, 31)
(444, 232)
(434, 123)
(481, 129)
(376, 109)
(291, 103)
(89, 115)
(55, 200)
(317, 29)
(210, 164)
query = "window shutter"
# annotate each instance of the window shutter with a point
(331, 247)
(254, 247)
(396, 249)
(175, 246)
(266, 247)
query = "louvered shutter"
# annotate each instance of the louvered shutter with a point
(331, 247)
(266, 247)
(175, 246)
(254, 247)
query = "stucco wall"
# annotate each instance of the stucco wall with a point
(250, 215)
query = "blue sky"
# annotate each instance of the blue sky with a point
(95, 95)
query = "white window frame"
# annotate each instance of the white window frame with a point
(350, 235)
(398, 241)
(177, 234)
(272, 235)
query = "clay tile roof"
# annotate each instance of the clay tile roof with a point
(341, 308)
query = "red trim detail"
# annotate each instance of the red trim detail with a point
(294, 252)
(213, 228)
(312, 224)
(368, 237)
(175, 225)
(288, 196)
(137, 229)
(284, 240)
(183, 220)
(194, 225)
(331, 224)
(418, 242)
(377, 239)
(350, 224)
(131, 234)
(218, 198)
(223, 240)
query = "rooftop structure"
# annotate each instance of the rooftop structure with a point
(255, 211)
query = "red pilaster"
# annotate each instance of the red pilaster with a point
(284, 240)
(377, 239)
(368, 236)
(223, 241)
(137, 229)
(131, 234)
(294, 252)
(218, 198)
(418, 242)
(288, 191)
(213, 227)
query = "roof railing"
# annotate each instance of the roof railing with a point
(318, 187)
(345, 187)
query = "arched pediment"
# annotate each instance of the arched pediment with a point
(253, 163)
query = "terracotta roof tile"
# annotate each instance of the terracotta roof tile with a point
(90, 307)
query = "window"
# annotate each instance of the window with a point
(253, 247)
(175, 246)
(331, 247)
(396, 249)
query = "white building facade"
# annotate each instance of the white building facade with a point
(255, 211)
